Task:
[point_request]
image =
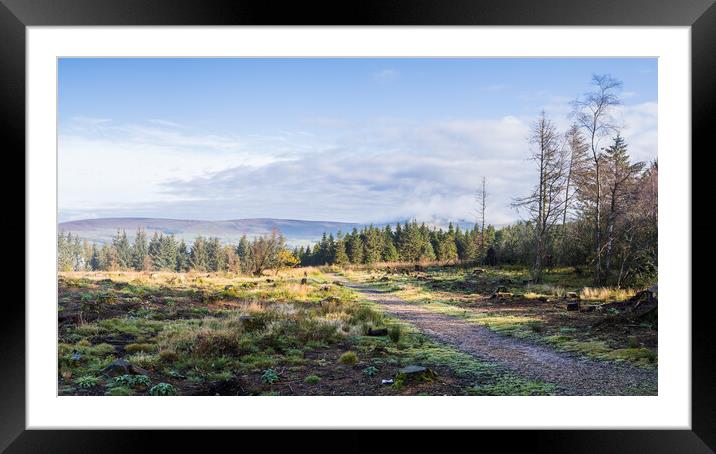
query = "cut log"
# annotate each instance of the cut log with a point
(378, 332)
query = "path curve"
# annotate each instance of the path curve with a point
(572, 374)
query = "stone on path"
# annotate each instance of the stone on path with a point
(415, 372)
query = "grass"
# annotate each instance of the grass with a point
(191, 331)
(605, 294)
(348, 358)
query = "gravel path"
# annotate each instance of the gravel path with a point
(572, 374)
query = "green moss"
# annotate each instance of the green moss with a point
(510, 385)
(639, 355)
(119, 391)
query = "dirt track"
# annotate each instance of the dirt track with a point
(572, 374)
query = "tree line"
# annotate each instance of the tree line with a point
(407, 242)
(164, 253)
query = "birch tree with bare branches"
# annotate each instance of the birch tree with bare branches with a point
(546, 202)
(576, 149)
(593, 115)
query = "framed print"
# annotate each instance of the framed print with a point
(418, 216)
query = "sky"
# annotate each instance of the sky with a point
(354, 140)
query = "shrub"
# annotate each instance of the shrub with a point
(312, 379)
(394, 333)
(162, 389)
(147, 361)
(216, 342)
(269, 376)
(168, 356)
(87, 381)
(348, 358)
(370, 371)
(132, 381)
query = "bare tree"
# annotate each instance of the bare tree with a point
(576, 151)
(481, 200)
(592, 113)
(546, 202)
(264, 252)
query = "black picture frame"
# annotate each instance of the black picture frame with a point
(16, 15)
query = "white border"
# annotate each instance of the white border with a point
(670, 409)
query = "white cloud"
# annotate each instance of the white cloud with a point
(384, 170)
(386, 75)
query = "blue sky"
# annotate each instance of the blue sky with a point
(335, 139)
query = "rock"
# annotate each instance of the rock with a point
(478, 271)
(331, 299)
(136, 370)
(338, 283)
(573, 306)
(378, 332)
(415, 372)
(123, 367)
(412, 370)
(117, 367)
(572, 295)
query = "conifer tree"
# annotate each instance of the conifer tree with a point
(140, 251)
(199, 257)
(95, 261)
(372, 245)
(182, 257)
(355, 247)
(214, 252)
(167, 259)
(244, 252)
(154, 250)
(341, 257)
(123, 250)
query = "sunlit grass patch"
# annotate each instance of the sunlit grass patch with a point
(606, 293)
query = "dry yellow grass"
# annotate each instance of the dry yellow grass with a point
(606, 293)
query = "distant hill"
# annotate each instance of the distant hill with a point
(296, 232)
